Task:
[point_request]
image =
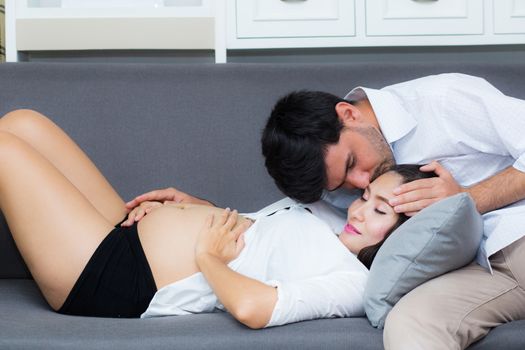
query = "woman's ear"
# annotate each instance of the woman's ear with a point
(347, 113)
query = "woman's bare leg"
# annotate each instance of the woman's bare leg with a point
(56, 146)
(56, 229)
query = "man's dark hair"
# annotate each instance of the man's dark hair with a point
(408, 172)
(294, 142)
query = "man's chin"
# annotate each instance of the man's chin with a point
(382, 168)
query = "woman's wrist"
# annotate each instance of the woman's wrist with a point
(206, 258)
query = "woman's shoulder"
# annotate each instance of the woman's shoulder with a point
(298, 232)
(296, 220)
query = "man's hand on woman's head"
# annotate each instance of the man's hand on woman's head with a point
(419, 194)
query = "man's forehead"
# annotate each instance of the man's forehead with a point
(336, 168)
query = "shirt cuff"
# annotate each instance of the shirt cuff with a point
(519, 164)
(276, 319)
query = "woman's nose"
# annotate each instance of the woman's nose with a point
(356, 211)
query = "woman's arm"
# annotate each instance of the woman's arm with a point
(251, 302)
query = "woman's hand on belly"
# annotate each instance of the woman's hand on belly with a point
(140, 211)
(144, 208)
(221, 236)
(220, 241)
(169, 236)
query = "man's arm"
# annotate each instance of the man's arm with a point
(499, 190)
(495, 192)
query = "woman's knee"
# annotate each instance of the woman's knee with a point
(23, 121)
(9, 145)
(12, 151)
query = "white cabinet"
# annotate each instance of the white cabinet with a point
(68, 25)
(509, 16)
(226, 25)
(293, 18)
(424, 17)
(259, 24)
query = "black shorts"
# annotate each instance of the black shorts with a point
(116, 282)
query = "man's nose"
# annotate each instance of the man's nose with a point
(357, 180)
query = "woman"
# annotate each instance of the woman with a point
(60, 210)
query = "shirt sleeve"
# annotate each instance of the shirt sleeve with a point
(510, 127)
(338, 294)
(495, 122)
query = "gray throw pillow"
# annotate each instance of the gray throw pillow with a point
(443, 237)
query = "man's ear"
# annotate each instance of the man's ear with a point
(348, 113)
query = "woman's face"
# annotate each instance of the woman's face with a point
(370, 217)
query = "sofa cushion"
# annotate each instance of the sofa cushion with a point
(136, 122)
(28, 323)
(142, 124)
(442, 237)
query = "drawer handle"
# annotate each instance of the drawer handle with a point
(293, 0)
(425, 0)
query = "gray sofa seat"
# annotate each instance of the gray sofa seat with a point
(196, 127)
(28, 323)
(49, 330)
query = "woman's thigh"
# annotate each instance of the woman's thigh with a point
(57, 147)
(56, 229)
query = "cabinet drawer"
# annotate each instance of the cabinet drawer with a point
(424, 17)
(509, 17)
(294, 18)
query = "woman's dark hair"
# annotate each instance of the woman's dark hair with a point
(408, 172)
(300, 128)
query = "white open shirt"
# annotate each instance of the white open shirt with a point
(292, 250)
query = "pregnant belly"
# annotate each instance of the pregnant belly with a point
(168, 236)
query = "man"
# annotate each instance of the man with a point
(314, 142)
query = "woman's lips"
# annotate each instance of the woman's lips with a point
(351, 230)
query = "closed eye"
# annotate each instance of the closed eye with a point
(350, 164)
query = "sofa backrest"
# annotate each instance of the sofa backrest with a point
(196, 127)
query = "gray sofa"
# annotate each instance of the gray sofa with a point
(196, 127)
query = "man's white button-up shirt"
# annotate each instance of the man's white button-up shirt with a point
(465, 123)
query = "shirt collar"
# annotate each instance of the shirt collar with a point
(394, 120)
